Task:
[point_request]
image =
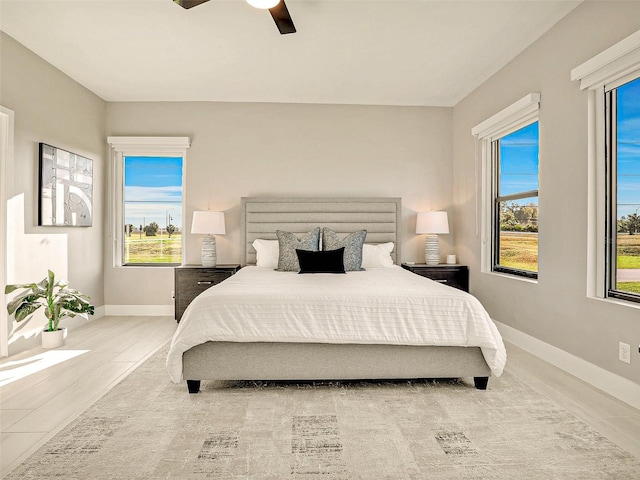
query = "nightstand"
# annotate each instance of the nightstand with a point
(453, 275)
(192, 280)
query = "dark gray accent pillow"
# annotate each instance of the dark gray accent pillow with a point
(352, 244)
(327, 261)
(288, 243)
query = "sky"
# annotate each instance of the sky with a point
(519, 162)
(153, 191)
(628, 124)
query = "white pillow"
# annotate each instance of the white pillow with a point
(377, 255)
(267, 252)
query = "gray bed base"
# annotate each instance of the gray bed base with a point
(382, 218)
(317, 361)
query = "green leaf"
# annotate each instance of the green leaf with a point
(25, 310)
(23, 299)
(12, 288)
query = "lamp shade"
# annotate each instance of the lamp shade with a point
(432, 222)
(210, 223)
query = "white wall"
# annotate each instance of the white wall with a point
(556, 310)
(52, 108)
(275, 149)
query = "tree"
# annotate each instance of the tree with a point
(151, 230)
(622, 224)
(633, 223)
(517, 218)
(171, 229)
(508, 220)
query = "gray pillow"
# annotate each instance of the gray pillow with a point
(352, 244)
(288, 243)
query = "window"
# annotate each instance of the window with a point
(152, 210)
(148, 189)
(612, 80)
(515, 202)
(509, 152)
(622, 127)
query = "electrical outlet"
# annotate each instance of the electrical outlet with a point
(624, 352)
(173, 295)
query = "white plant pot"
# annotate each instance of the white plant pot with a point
(54, 339)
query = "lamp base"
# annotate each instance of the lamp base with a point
(208, 253)
(432, 250)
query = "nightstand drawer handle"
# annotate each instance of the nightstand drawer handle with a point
(202, 282)
(442, 281)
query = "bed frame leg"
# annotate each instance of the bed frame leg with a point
(193, 386)
(481, 382)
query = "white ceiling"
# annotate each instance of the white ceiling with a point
(381, 52)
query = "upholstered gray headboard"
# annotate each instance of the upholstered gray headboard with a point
(262, 216)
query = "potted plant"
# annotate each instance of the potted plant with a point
(59, 301)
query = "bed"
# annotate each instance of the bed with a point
(381, 323)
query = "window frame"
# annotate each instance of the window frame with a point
(611, 189)
(516, 116)
(606, 69)
(498, 199)
(122, 147)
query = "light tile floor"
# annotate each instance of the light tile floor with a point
(99, 354)
(35, 407)
(616, 420)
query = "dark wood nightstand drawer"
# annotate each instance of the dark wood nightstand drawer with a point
(192, 280)
(456, 276)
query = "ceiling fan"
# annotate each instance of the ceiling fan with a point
(277, 9)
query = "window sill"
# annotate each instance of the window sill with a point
(616, 301)
(513, 277)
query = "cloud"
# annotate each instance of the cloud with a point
(153, 194)
(145, 213)
(144, 205)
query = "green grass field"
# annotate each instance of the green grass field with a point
(520, 250)
(631, 287)
(628, 261)
(628, 257)
(159, 249)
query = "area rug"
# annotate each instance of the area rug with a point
(149, 428)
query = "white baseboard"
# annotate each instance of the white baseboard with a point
(615, 385)
(98, 313)
(140, 310)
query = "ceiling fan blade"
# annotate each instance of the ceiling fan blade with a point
(189, 3)
(280, 14)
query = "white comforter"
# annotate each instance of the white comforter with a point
(378, 306)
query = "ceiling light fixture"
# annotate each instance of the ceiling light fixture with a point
(263, 4)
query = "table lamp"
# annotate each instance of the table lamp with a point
(432, 223)
(209, 224)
